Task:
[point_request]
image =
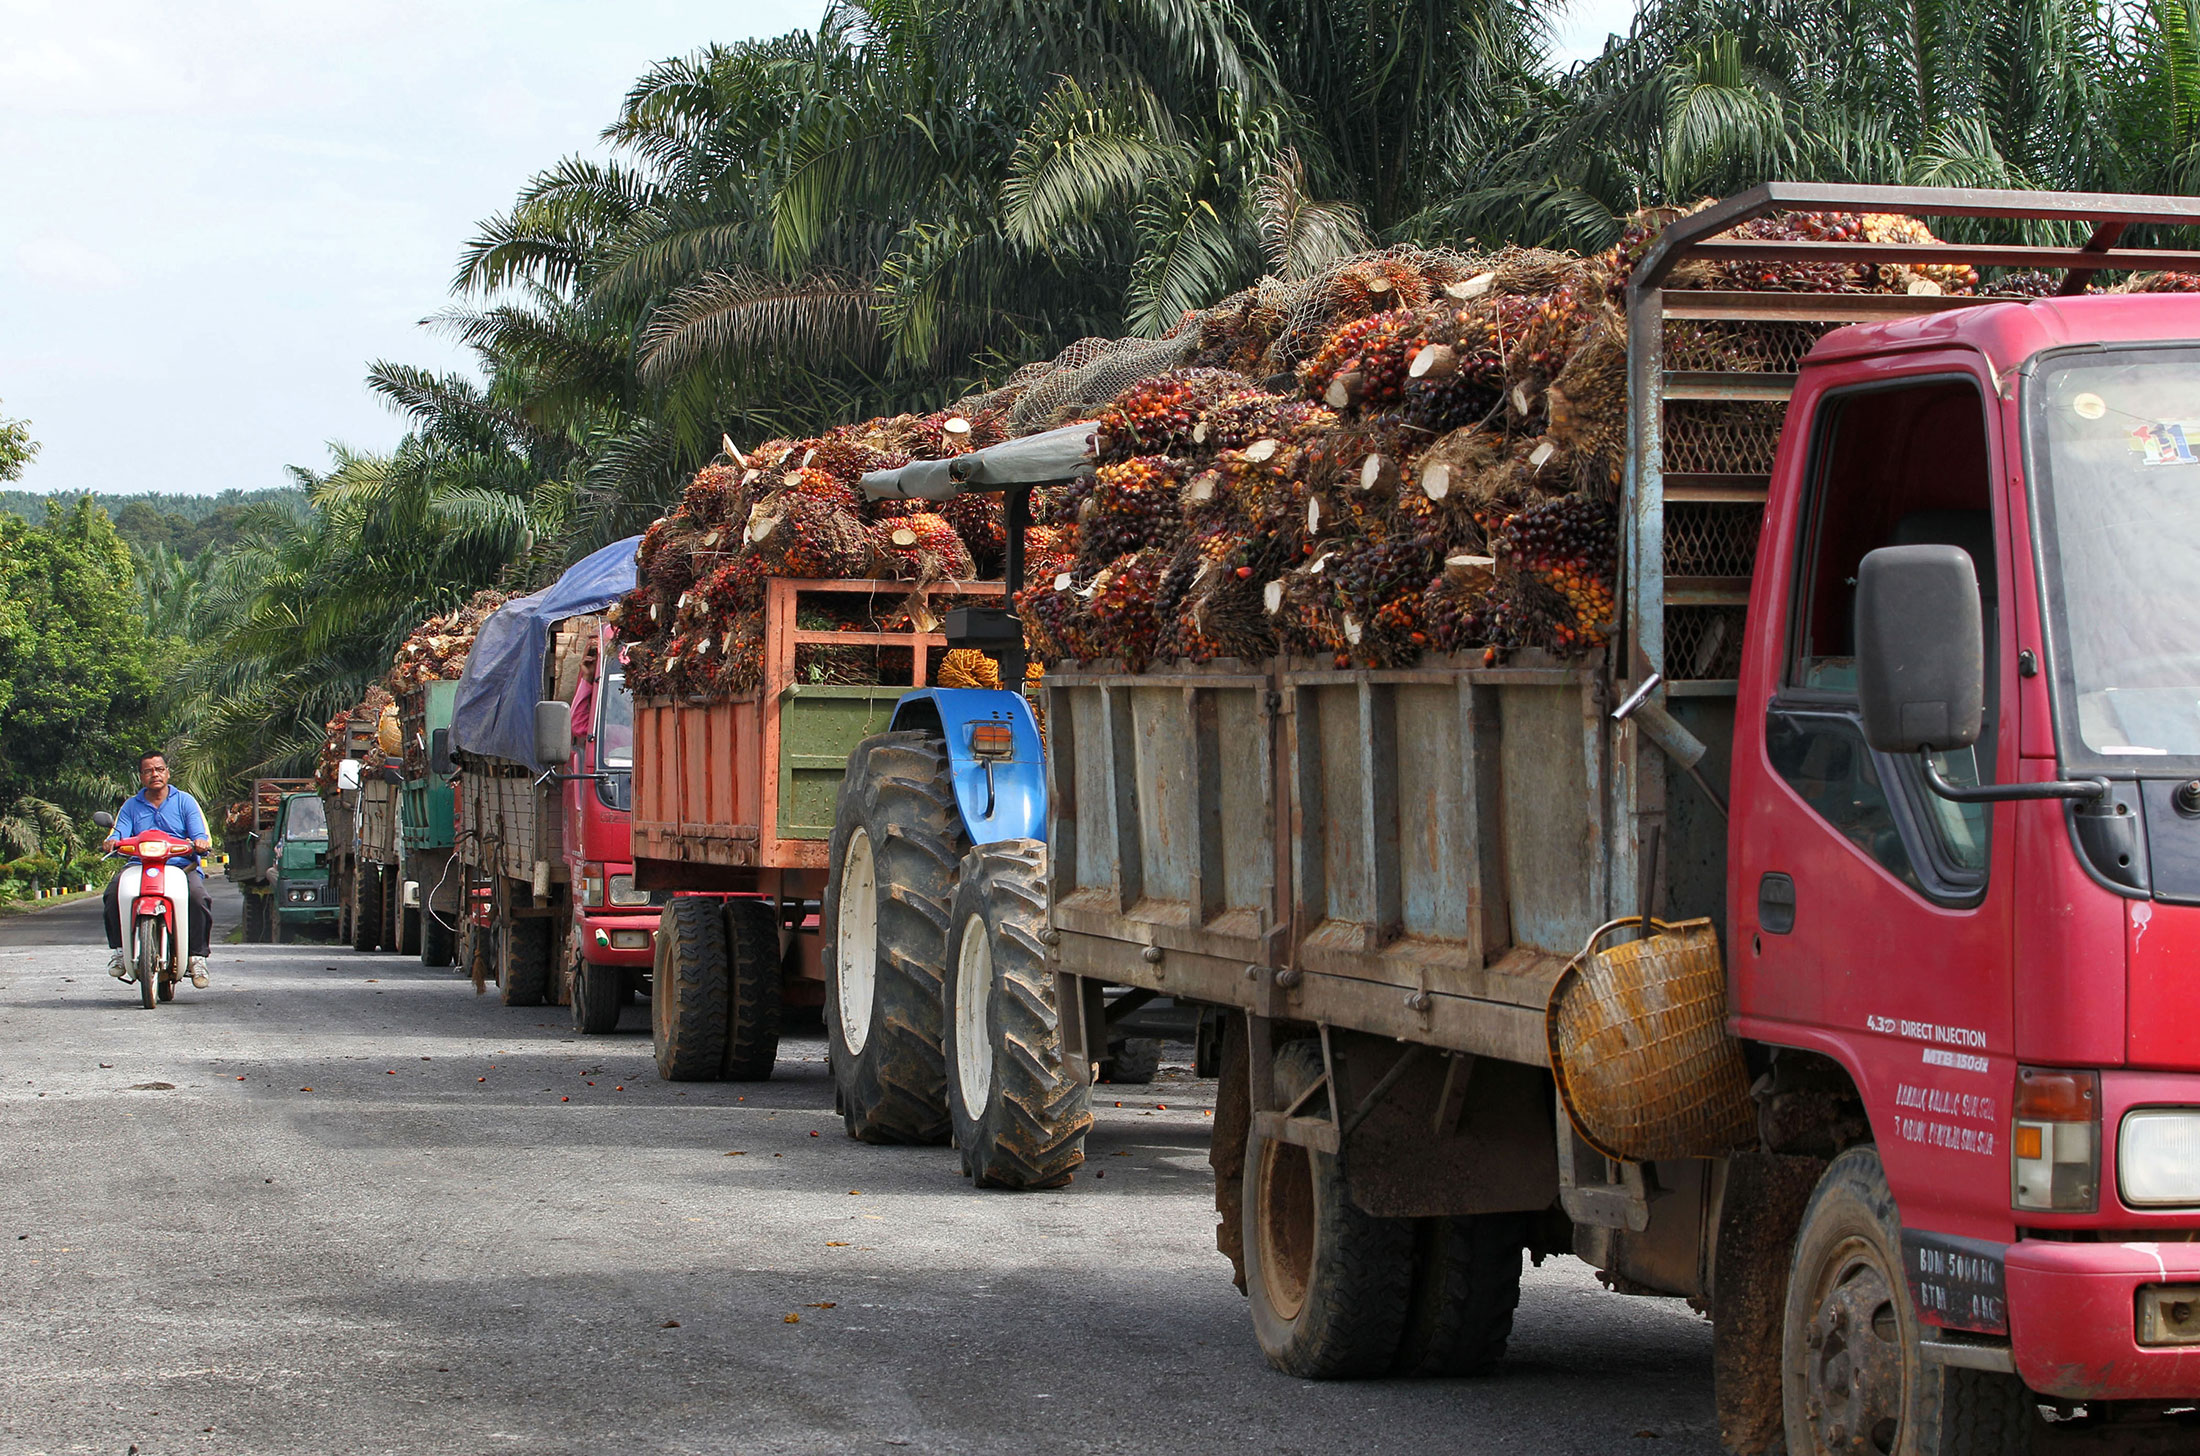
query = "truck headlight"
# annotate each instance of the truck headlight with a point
(624, 893)
(592, 886)
(2158, 1157)
(2055, 1141)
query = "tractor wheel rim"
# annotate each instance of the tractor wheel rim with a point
(855, 941)
(1853, 1353)
(1284, 1204)
(973, 1018)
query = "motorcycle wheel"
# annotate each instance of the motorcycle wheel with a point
(150, 956)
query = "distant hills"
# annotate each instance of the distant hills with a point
(185, 524)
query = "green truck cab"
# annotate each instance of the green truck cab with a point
(297, 864)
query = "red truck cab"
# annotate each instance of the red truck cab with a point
(2012, 987)
(613, 923)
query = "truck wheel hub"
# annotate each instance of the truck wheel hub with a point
(1284, 1204)
(1854, 1369)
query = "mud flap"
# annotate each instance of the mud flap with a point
(1233, 1123)
(1758, 1221)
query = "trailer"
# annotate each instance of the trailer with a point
(543, 734)
(356, 884)
(1886, 770)
(279, 861)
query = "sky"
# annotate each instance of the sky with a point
(214, 216)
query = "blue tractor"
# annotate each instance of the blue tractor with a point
(941, 1003)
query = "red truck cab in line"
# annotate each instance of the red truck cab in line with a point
(613, 924)
(2012, 986)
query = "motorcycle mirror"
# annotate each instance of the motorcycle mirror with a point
(104, 819)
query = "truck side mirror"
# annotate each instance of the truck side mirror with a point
(439, 753)
(553, 731)
(1920, 649)
(104, 819)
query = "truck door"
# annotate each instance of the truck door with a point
(1871, 918)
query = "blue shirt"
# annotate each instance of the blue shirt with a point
(177, 816)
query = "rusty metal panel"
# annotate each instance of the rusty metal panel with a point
(1439, 856)
(1093, 788)
(1164, 778)
(1244, 826)
(378, 821)
(1550, 819)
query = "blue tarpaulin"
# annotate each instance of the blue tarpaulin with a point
(494, 716)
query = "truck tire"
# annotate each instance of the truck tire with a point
(687, 1008)
(523, 960)
(254, 932)
(756, 991)
(392, 892)
(1466, 1285)
(1132, 1062)
(1019, 1117)
(408, 916)
(366, 907)
(280, 931)
(1329, 1285)
(897, 842)
(1851, 1362)
(438, 938)
(599, 994)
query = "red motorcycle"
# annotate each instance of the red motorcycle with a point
(155, 901)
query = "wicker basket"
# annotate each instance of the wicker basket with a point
(1640, 1049)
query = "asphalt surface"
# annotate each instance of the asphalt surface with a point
(336, 1203)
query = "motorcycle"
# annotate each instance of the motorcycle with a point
(155, 901)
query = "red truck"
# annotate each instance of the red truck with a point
(1902, 717)
(542, 731)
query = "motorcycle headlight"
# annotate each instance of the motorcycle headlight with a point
(2158, 1157)
(155, 847)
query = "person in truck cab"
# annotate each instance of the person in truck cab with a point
(158, 805)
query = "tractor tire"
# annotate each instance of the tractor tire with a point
(599, 994)
(1329, 1285)
(438, 937)
(756, 991)
(1851, 1361)
(524, 945)
(1020, 1118)
(896, 845)
(1466, 1285)
(687, 1010)
(366, 907)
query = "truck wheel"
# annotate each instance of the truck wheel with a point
(392, 892)
(1329, 1285)
(438, 938)
(1132, 1062)
(281, 931)
(1466, 1284)
(599, 992)
(897, 840)
(1020, 1119)
(756, 992)
(523, 960)
(408, 925)
(687, 1008)
(366, 907)
(1853, 1375)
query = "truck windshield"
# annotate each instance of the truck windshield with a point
(2115, 465)
(305, 819)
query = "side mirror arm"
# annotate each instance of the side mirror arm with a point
(2003, 793)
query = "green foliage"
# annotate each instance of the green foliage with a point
(16, 448)
(78, 679)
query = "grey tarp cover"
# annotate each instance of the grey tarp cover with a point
(494, 716)
(1050, 455)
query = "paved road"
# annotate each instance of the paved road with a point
(336, 1203)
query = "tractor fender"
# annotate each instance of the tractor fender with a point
(1013, 805)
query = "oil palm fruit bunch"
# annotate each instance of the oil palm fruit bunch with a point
(1133, 505)
(1125, 623)
(713, 496)
(1798, 277)
(803, 533)
(1159, 416)
(1237, 419)
(2163, 283)
(1887, 227)
(978, 518)
(1379, 582)
(1364, 362)
(922, 547)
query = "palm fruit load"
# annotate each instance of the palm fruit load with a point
(1417, 450)
(372, 712)
(434, 651)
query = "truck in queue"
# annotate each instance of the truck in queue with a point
(1801, 939)
(542, 733)
(278, 856)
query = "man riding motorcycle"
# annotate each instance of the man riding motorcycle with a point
(160, 806)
